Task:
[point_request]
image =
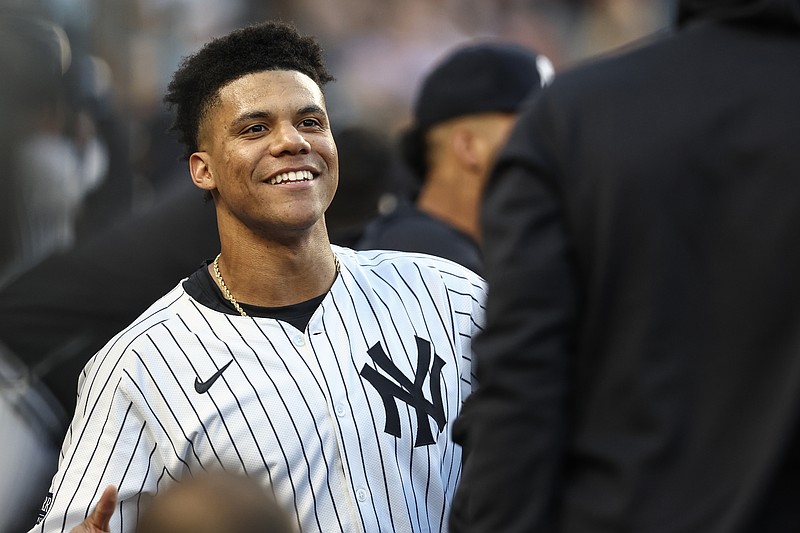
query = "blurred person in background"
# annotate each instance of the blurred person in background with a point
(464, 110)
(57, 158)
(43, 187)
(640, 366)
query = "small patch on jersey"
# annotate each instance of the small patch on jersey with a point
(48, 502)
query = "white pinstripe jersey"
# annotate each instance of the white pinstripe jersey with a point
(294, 409)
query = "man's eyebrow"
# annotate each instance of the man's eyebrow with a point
(251, 115)
(311, 109)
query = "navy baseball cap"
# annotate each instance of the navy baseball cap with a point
(483, 77)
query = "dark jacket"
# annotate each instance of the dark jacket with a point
(640, 367)
(409, 229)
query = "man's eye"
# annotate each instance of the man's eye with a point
(309, 122)
(256, 128)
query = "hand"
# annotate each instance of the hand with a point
(100, 519)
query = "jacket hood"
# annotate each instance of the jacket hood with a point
(776, 13)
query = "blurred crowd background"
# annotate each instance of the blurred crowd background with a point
(83, 129)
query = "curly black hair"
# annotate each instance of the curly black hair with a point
(265, 46)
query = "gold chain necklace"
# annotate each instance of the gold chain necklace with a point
(227, 291)
(228, 294)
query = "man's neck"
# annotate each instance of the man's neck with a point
(271, 274)
(457, 206)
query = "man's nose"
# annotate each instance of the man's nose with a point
(288, 140)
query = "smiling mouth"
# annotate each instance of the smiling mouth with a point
(291, 177)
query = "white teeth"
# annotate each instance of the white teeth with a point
(301, 175)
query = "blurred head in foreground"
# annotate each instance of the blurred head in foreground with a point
(215, 502)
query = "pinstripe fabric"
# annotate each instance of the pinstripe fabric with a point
(291, 409)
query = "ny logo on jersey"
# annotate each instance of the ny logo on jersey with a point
(407, 391)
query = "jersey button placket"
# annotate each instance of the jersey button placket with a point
(299, 341)
(362, 495)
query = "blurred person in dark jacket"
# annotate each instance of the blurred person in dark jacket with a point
(464, 110)
(640, 368)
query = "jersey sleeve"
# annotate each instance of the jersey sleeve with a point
(110, 442)
(477, 320)
(467, 292)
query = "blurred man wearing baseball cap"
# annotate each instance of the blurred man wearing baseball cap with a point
(463, 113)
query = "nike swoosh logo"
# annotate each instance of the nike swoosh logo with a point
(203, 386)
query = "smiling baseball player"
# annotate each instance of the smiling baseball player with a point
(329, 375)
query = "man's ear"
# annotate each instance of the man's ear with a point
(199, 166)
(466, 146)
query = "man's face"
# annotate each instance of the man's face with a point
(267, 154)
